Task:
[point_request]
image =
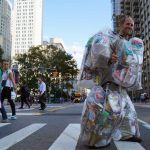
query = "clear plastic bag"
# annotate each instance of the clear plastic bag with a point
(138, 49)
(100, 49)
(97, 54)
(95, 118)
(126, 73)
(86, 75)
(106, 116)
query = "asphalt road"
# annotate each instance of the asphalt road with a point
(57, 128)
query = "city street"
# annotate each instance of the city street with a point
(62, 52)
(58, 128)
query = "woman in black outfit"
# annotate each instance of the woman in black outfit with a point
(24, 91)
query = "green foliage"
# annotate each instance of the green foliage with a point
(43, 61)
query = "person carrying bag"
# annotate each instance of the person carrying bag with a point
(8, 85)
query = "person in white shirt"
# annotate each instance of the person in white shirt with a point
(42, 91)
(8, 85)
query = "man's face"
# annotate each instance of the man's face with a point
(128, 26)
(5, 65)
(39, 80)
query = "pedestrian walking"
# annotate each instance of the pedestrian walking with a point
(42, 92)
(2, 108)
(142, 98)
(8, 85)
(25, 94)
(108, 111)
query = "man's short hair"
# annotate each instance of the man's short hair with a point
(41, 77)
(5, 60)
(123, 18)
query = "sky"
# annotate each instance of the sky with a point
(75, 21)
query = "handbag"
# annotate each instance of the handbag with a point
(13, 95)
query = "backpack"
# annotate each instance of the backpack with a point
(128, 74)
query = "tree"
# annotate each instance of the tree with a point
(44, 61)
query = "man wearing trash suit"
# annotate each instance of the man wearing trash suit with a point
(122, 124)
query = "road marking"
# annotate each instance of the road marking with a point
(53, 106)
(142, 105)
(56, 109)
(27, 114)
(25, 109)
(4, 124)
(17, 136)
(128, 145)
(145, 124)
(68, 139)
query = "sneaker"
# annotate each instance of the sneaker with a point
(12, 117)
(133, 139)
(5, 121)
(20, 108)
(44, 107)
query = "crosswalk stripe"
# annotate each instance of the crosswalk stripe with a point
(17, 136)
(128, 145)
(25, 109)
(54, 106)
(56, 109)
(26, 114)
(145, 124)
(68, 139)
(4, 124)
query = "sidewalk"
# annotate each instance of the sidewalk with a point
(139, 104)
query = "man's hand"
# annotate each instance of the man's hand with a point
(114, 58)
(124, 59)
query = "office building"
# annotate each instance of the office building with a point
(27, 25)
(5, 28)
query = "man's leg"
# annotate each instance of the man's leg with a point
(12, 104)
(42, 105)
(22, 101)
(41, 100)
(44, 100)
(129, 127)
(4, 114)
(27, 102)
